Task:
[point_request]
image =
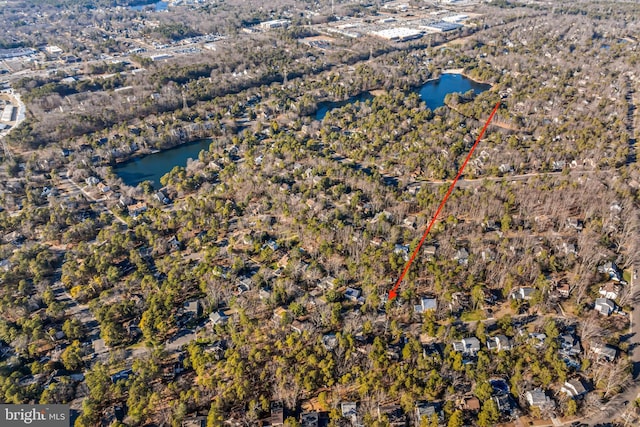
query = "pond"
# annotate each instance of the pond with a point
(432, 93)
(158, 6)
(153, 166)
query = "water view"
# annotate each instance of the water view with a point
(154, 166)
(432, 93)
(158, 6)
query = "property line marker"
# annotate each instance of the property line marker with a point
(394, 291)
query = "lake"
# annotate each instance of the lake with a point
(159, 6)
(432, 93)
(153, 166)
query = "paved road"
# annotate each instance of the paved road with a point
(77, 310)
(616, 406)
(72, 188)
(182, 338)
(463, 182)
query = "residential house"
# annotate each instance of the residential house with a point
(505, 404)
(300, 327)
(349, 411)
(115, 414)
(490, 297)
(15, 238)
(563, 289)
(376, 241)
(604, 351)
(467, 346)
(218, 318)
(162, 198)
(462, 256)
(192, 308)
(569, 345)
(244, 284)
(394, 414)
(279, 315)
(271, 244)
(329, 341)
(91, 181)
(200, 421)
(427, 410)
(574, 388)
(505, 168)
(409, 221)
(265, 294)
(500, 386)
(487, 255)
(523, 293)
(136, 209)
(103, 187)
(99, 346)
(174, 244)
(460, 301)
(538, 339)
(310, 419)
(575, 223)
(402, 250)
(353, 295)
(121, 375)
(426, 304)
(604, 306)
(277, 414)
(537, 398)
(611, 269)
(430, 251)
(568, 248)
(471, 403)
(610, 290)
(499, 343)
(327, 283)
(491, 225)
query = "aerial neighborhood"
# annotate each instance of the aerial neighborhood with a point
(205, 204)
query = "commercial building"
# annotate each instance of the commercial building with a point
(7, 113)
(441, 26)
(53, 50)
(160, 57)
(276, 23)
(455, 19)
(16, 52)
(400, 34)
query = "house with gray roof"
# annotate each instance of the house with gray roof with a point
(467, 346)
(574, 388)
(604, 306)
(499, 342)
(537, 398)
(426, 304)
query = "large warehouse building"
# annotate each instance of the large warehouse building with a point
(398, 34)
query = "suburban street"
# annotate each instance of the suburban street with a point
(69, 186)
(617, 406)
